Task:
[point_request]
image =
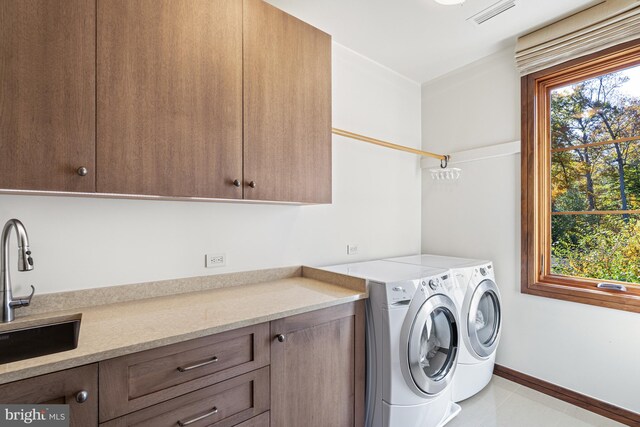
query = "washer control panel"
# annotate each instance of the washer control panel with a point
(435, 283)
(484, 271)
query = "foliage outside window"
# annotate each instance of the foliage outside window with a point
(581, 179)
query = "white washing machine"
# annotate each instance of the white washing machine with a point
(478, 300)
(412, 344)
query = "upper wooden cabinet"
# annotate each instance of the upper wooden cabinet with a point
(47, 94)
(170, 97)
(287, 107)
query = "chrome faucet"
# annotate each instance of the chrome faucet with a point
(25, 263)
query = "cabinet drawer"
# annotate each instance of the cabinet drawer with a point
(135, 381)
(261, 420)
(224, 404)
(167, 371)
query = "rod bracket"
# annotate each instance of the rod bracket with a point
(444, 162)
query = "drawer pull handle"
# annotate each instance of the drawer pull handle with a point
(198, 365)
(196, 419)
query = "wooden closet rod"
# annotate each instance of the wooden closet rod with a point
(386, 144)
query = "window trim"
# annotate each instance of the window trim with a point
(535, 199)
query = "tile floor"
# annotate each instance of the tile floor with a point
(507, 404)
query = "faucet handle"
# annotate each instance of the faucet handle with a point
(23, 301)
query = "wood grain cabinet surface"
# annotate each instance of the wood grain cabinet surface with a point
(287, 107)
(137, 381)
(224, 404)
(59, 388)
(261, 420)
(227, 99)
(47, 94)
(170, 97)
(304, 370)
(318, 368)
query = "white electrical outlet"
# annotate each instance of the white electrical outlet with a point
(352, 249)
(215, 260)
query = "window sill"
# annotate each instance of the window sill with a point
(584, 295)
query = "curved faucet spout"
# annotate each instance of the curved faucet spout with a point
(25, 263)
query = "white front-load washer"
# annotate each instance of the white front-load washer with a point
(478, 299)
(412, 344)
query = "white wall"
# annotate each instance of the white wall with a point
(83, 243)
(585, 348)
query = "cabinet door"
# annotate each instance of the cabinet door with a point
(287, 107)
(170, 97)
(47, 94)
(59, 388)
(317, 368)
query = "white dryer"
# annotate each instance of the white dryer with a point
(478, 300)
(412, 344)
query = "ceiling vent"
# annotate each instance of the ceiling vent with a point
(492, 11)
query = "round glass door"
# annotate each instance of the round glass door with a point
(483, 322)
(433, 344)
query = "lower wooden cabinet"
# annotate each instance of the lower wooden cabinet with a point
(301, 371)
(140, 380)
(261, 420)
(318, 368)
(59, 388)
(221, 405)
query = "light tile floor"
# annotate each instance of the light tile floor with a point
(507, 404)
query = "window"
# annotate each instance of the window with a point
(581, 180)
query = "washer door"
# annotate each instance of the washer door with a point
(433, 345)
(483, 321)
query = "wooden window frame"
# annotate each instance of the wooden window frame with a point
(536, 278)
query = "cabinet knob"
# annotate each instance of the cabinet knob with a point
(252, 184)
(82, 396)
(82, 171)
(236, 183)
(280, 337)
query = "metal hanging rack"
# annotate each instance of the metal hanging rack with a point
(444, 159)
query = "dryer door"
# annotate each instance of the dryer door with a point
(484, 318)
(433, 344)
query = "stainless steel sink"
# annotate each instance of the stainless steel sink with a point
(29, 339)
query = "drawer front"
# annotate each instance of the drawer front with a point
(139, 380)
(167, 371)
(225, 404)
(261, 420)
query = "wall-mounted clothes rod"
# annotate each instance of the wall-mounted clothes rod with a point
(475, 154)
(387, 144)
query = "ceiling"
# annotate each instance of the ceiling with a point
(421, 39)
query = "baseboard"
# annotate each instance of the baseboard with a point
(589, 403)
